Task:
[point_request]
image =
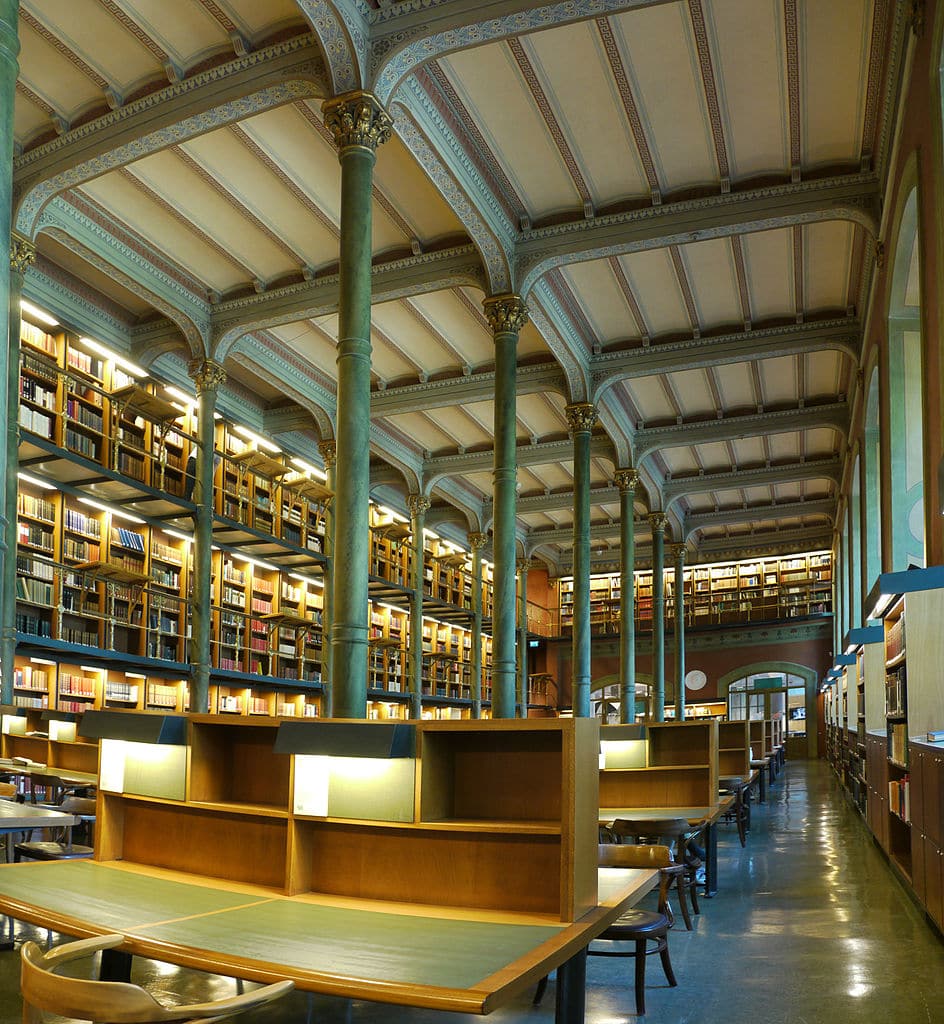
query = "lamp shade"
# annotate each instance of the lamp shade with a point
(136, 728)
(347, 739)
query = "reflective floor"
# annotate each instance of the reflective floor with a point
(810, 926)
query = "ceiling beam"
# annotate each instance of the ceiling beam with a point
(768, 542)
(759, 514)
(476, 387)
(732, 428)
(854, 197)
(564, 535)
(563, 501)
(841, 335)
(542, 454)
(395, 279)
(267, 78)
(816, 469)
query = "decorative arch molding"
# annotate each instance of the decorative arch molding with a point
(89, 240)
(488, 228)
(544, 249)
(547, 315)
(397, 53)
(343, 34)
(292, 70)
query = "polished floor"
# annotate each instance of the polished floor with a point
(810, 927)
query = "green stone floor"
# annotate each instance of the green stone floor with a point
(810, 927)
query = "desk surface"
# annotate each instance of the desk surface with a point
(16, 817)
(442, 958)
(67, 775)
(695, 815)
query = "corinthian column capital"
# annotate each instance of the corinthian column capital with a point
(505, 313)
(581, 416)
(357, 119)
(328, 450)
(22, 254)
(418, 504)
(626, 480)
(206, 374)
(477, 540)
(658, 521)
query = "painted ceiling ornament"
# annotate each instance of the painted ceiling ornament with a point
(506, 313)
(357, 119)
(207, 374)
(581, 416)
(22, 254)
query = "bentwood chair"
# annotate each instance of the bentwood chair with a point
(113, 1002)
(639, 927)
(675, 834)
(740, 810)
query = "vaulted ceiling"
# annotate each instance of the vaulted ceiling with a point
(686, 193)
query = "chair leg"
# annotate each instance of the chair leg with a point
(693, 892)
(640, 977)
(667, 963)
(539, 991)
(683, 903)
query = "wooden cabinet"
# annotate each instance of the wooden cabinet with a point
(680, 770)
(734, 749)
(497, 817)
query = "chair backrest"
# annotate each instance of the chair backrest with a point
(622, 856)
(662, 831)
(79, 805)
(114, 1002)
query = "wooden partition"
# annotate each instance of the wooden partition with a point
(681, 769)
(498, 815)
(760, 745)
(734, 749)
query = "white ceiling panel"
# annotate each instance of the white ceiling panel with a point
(833, 48)
(572, 64)
(768, 260)
(602, 301)
(714, 457)
(694, 394)
(749, 451)
(652, 278)
(735, 386)
(784, 447)
(659, 53)
(491, 86)
(827, 251)
(713, 281)
(779, 380)
(746, 39)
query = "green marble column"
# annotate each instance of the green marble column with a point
(523, 565)
(418, 506)
(581, 417)
(677, 553)
(359, 126)
(658, 523)
(328, 450)
(477, 541)
(506, 315)
(208, 376)
(22, 254)
(627, 480)
(9, 353)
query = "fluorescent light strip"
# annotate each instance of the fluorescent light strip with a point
(181, 396)
(180, 536)
(307, 467)
(41, 661)
(306, 579)
(256, 439)
(35, 481)
(132, 368)
(113, 511)
(135, 675)
(38, 314)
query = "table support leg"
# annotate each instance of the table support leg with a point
(116, 965)
(763, 786)
(571, 989)
(711, 860)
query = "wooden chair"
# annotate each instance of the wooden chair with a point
(639, 927)
(740, 811)
(675, 834)
(61, 848)
(113, 1001)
